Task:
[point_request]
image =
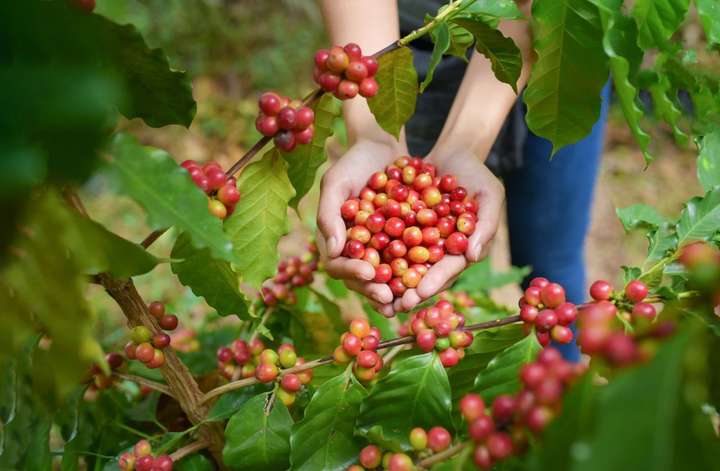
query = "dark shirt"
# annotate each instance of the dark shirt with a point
(433, 105)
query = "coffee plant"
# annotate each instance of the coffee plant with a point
(277, 379)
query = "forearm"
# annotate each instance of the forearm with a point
(483, 102)
(372, 24)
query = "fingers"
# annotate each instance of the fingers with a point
(438, 277)
(350, 269)
(329, 220)
(377, 292)
(490, 206)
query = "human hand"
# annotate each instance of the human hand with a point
(345, 179)
(471, 173)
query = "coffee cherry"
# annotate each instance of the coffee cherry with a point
(291, 383)
(636, 291)
(163, 463)
(644, 310)
(397, 249)
(400, 462)
(224, 354)
(482, 458)
(370, 342)
(156, 309)
(140, 334)
(394, 227)
(285, 140)
(356, 71)
(144, 352)
(269, 356)
(304, 117)
(412, 236)
(538, 418)
(346, 89)
(270, 103)
(228, 195)
(620, 349)
(354, 249)
(130, 350)
(431, 196)
(286, 397)
(425, 340)
(546, 320)
(126, 462)
(438, 439)
(349, 209)
(456, 243)
(397, 287)
(168, 322)
(370, 456)
(142, 448)
(367, 359)
(351, 344)
(371, 64)
(364, 374)
(144, 463)
(481, 427)
(217, 209)
(329, 81)
(383, 273)
(287, 118)
(161, 340)
(532, 374)
(447, 183)
(552, 295)
(287, 358)
(529, 313)
(566, 313)
(503, 407)
(436, 252)
(337, 60)
(157, 360)
(449, 357)
(266, 372)
(499, 445)
(601, 290)
(466, 225)
(561, 334)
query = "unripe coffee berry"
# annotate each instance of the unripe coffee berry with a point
(472, 406)
(140, 334)
(418, 439)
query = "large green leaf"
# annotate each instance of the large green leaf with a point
(502, 52)
(639, 216)
(305, 160)
(708, 162)
(491, 11)
(501, 374)
(177, 201)
(666, 108)
(648, 398)
(257, 437)
(709, 12)
(230, 403)
(657, 20)
(196, 462)
(260, 218)
(154, 92)
(481, 276)
(485, 347)
(208, 277)
(42, 289)
(395, 101)
(441, 43)
(324, 439)
(700, 219)
(620, 44)
(563, 94)
(416, 393)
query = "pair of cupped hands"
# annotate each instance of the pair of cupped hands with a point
(349, 174)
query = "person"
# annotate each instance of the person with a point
(466, 121)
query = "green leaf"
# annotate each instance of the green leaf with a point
(416, 393)
(492, 11)
(305, 160)
(324, 439)
(648, 398)
(709, 13)
(502, 52)
(485, 347)
(176, 202)
(708, 161)
(666, 109)
(657, 20)
(260, 218)
(230, 403)
(620, 44)
(208, 277)
(639, 216)
(501, 374)
(662, 243)
(700, 218)
(395, 101)
(481, 276)
(460, 40)
(563, 94)
(257, 437)
(441, 43)
(155, 92)
(196, 462)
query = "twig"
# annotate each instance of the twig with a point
(390, 356)
(263, 320)
(193, 447)
(427, 463)
(146, 382)
(329, 359)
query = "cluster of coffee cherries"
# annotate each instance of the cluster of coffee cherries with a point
(345, 72)
(544, 307)
(440, 328)
(424, 444)
(504, 431)
(293, 272)
(405, 220)
(141, 459)
(603, 334)
(221, 190)
(289, 122)
(360, 343)
(247, 360)
(146, 346)
(98, 380)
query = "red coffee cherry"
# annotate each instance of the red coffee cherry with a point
(601, 290)
(285, 140)
(144, 352)
(482, 458)
(500, 445)
(636, 291)
(480, 428)
(503, 407)
(370, 456)
(456, 243)
(438, 439)
(337, 60)
(168, 322)
(400, 462)
(270, 103)
(552, 295)
(644, 310)
(472, 406)
(266, 372)
(157, 360)
(371, 64)
(156, 309)
(291, 382)
(546, 320)
(161, 340)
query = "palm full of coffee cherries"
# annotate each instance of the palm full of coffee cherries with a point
(406, 219)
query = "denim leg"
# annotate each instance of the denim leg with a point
(548, 208)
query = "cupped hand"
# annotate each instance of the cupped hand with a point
(343, 180)
(471, 173)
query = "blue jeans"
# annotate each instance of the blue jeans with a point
(548, 210)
